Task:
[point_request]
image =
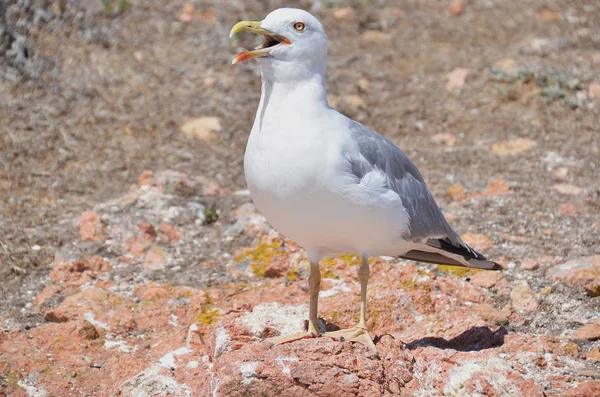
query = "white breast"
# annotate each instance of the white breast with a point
(299, 178)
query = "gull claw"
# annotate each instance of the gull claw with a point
(279, 340)
(356, 334)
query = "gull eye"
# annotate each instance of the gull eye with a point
(299, 26)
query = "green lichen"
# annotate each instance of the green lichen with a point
(115, 7)
(211, 215)
(521, 83)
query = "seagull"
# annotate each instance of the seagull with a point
(327, 182)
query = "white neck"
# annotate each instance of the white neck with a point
(280, 98)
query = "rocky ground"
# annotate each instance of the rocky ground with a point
(134, 263)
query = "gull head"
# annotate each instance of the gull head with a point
(294, 47)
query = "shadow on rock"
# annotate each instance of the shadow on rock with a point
(474, 339)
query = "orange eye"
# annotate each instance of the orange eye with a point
(299, 26)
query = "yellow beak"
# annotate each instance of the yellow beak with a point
(248, 26)
(261, 51)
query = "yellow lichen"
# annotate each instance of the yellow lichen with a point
(208, 317)
(260, 255)
(12, 378)
(457, 271)
(259, 269)
(570, 349)
(333, 317)
(291, 275)
(348, 259)
(328, 262)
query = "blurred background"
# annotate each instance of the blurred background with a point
(496, 101)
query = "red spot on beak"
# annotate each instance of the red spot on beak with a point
(242, 57)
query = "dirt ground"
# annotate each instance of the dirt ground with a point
(92, 94)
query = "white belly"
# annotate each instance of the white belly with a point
(307, 193)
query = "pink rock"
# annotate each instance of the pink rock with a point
(325, 366)
(530, 264)
(548, 15)
(159, 340)
(78, 272)
(173, 182)
(588, 332)
(561, 173)
(145, 236)
(595, 89)
(446, 138)
(456, 79)
(479, 242)
(47, 293)
(209, 81)
(168, 181)
(581, 271)
(146, 178)
(91, 227)
(170, 233)
(585, 389)
(212, 188)
(568, 209)
(342, 13)
(523, 298)
(486, 279)
(465, 292)
(488, 312)
(155, 258)
(277, 267)
(594, 354)
(568, 189)
(457, 7)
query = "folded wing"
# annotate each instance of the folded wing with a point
(434, 239)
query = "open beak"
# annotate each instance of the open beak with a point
(272, 41)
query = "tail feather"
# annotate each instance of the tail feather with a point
(443, 252)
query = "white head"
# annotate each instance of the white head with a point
(295, 46)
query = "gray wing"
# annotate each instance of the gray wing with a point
(377, 152)
(428, 227)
